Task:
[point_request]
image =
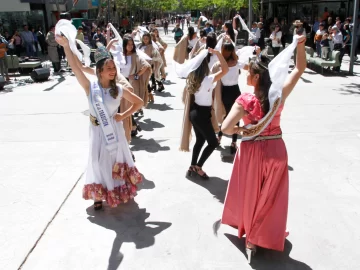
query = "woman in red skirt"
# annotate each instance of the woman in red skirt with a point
(257, 196)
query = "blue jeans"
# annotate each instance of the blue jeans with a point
(29, 49)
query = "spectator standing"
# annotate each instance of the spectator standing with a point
(166, 26)
(36, 42)
(261, 41)
(178, 33)
(41, 40)
(208, 29)
(318, 38)
(17, 43)
(98, 37)
(256, 31)
(27, 38)
(53, 49)
(276, 40)
(80, 34)
(3, 54)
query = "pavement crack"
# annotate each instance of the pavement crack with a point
(49, 223)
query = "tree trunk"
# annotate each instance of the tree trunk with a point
(101, 14)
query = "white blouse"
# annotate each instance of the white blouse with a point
(232, 77)
(203, 97)
(125, 69)
(193, 42)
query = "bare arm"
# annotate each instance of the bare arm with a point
(224, 66)
(229, 127)
(137, 103)
(86, 69)
(299, 69)
(80, 76)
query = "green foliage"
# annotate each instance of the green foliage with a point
(154, 5)
(216, 4)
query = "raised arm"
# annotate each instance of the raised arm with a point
(299, 69)
(80, 76)
(224, 66)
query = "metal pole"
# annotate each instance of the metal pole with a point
(250, 14)
(108, 13)
(354, 38)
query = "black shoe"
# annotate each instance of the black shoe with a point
(97, 206)
(134, 133)
(161, 88)
(233, 149)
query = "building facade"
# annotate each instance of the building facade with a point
(307, 10)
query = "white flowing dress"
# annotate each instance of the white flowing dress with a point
(110, 176)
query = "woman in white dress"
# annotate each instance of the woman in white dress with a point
(111, 175)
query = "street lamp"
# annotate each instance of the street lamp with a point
(250, 14)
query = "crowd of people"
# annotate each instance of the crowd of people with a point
(127, 75)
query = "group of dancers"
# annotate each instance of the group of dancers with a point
(257, 198)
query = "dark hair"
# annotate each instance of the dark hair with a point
(260, 66)
(114, 91)
(229, 47)
(203, 33)
(142, 39)
(195, 78)
(191, 32)
(230, 31)
(126, 40)
(211, 42)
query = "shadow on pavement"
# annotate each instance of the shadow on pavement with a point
(215, 185)
(349, 89)
(164, 94)
(128, 222)
(290, 168)
(266, 259)
(148, 145)
(150, 125)
(60, 80)
(146, 184)
(159, 107)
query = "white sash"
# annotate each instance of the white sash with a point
(102, 115)
(278, 70)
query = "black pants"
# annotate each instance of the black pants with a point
(56, 66)
(229, 94)
(177, 39)
(153, 83)
(276, 50)
(200, 117)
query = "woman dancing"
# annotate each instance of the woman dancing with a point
(200, 85)
(156, 62)
(185, 45)
(229, 31)
(230, 89)
(164, 45)
(137, 71)
(111, 174)
(257, 196)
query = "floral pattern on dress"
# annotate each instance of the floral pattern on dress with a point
(115, 197)
(252, 106)
(122, 171)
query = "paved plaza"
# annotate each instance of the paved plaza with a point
(46, 225)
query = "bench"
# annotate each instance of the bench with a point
(332, 62)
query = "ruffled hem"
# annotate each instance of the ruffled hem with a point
(122, 171)
(115, 197)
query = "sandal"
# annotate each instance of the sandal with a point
(98, 205)
(204, 176)
(250, 251)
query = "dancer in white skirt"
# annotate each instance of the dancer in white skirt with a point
(111, 174)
